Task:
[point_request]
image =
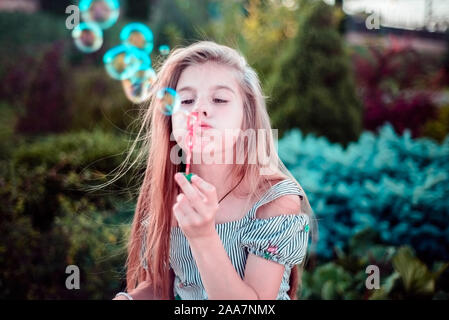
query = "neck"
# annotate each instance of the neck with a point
(216, 174)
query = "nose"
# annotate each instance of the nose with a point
(202, 108)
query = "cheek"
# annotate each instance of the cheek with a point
(238, 117)
(231, 117)
(231, 127)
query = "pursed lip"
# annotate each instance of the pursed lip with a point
(205, 126)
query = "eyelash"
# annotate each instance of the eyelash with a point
(221, 101)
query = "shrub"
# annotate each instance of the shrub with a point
(312, 86)
(49, 221)
(438, 128)
(389, 81)
(45, 105)
(391, 183)
(97, 101)
(401, 274)
(29, 32)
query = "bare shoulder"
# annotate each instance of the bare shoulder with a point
(287, 204)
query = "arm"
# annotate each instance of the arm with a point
(195, 211)
(143, 291)
(219, 277)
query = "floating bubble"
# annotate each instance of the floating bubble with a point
(144, 74)
(103, 12)
(170, 101)
(164, 50)
(88, 37)
(138, 35)
(137, 88)
(123, 61)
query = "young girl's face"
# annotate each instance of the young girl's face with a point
(212, 90)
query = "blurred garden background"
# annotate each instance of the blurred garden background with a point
(362, 111)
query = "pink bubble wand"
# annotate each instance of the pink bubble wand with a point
(192, 126)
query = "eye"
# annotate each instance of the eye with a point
(217, 100)
(187, 101)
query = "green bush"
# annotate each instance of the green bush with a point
(50, 221)
(312, 86)
(29, 32)
(438, 128)
(402, 275)
(8, 119)
(96, 100)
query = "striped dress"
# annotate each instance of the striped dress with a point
(282, 238)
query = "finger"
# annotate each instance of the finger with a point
(179, 215)
(186, 206)
(184, 212)
(205, 187)
(191, 192)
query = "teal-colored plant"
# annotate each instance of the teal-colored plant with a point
(392, 183)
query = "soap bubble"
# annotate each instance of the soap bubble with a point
(88, 37)
(103, 12)
(164, 50)
(138, 35)
(169, 100)
(137, 88)
(123, 61)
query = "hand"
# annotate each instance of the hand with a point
(196, 207)
(142, 292)
(121, 297)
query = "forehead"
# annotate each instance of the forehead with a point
(206, 76)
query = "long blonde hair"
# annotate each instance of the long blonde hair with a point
(157, 191)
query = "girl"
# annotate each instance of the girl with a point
(238, 229)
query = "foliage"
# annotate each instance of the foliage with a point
(55, 7)
(389, 81)
(29, 32)
(8, 140)
(45, 103)
(312, 86)
(412, 279)
(178, 22)
(96, 100)
(401, 274)
(438, 128)
(50, 95)
(392, 183)
(137, 9)
(50, 220)
(254, 27)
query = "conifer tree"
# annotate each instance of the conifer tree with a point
(312, 86)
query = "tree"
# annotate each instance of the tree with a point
(312, 86)
(46, 107)
(178, 22)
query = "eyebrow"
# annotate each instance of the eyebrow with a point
(214, 87)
